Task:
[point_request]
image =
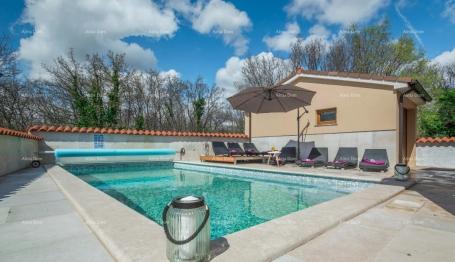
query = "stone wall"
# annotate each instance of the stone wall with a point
(361, 140)
(435, 155)
(16, 153)
(194, 146)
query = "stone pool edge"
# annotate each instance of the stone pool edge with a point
(318, 173)
(129, 236)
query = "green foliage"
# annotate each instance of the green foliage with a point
(446, 110)
(113, 107)
(199, 107)
(93, 89)
(139, 123)
(438, 119)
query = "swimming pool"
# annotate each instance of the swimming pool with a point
(238, 198)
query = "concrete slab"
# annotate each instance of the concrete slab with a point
(39, 232)
(39, 210)
(32, 198)
(416, 243)
(80, 248)
(384, 218)
(4, 212)
(347, 242)
(37, 223)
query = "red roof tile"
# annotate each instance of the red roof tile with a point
(68, 129)
(10, 132)
(433, 140)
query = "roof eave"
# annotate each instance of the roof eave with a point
(415, 85)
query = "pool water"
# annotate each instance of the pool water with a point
(235, 202)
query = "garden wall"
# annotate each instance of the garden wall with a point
(195, 144)
(17, 149)
(436, 152)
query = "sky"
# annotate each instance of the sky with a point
(209, 38)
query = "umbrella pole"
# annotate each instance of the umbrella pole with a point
(249, 126)
(298, 133)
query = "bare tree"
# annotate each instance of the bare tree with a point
(449, 75)
(8, 59)
(265, 71)
(338, 57)
(297, 53)
(313, 54)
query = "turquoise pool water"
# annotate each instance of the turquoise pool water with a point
(236, 201)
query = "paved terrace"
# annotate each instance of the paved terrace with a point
(38, 223)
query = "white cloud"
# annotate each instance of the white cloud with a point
(216, 17)
(284, 40)
(445, 58)
(449, 11)
(91, 26)
(229, 76)
(171, 73)
(344, 12)
(319, 30)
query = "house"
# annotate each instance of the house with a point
(349, 109)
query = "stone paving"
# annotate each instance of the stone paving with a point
(409, 227)
(37, 222)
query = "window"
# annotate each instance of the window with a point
(326, 116)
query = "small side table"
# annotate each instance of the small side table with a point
(273, 154)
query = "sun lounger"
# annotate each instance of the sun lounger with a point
(250, 149)
(235, 149)
(223, 155)
(346, 157)
(317, 157)
(374, 160)
(220, 149)
(288, 154)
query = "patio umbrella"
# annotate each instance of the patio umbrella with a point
(281, 98)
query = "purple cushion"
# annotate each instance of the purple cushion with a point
(234, 151)
(373, 162)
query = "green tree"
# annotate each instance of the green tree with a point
(117, 64)
(139, 123)
(446, 110)
(198, 109)
(95, 94)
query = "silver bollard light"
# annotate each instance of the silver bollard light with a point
(187, 226)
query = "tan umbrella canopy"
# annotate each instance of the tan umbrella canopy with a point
(281, 98)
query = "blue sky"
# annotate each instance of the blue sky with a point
(201, 38)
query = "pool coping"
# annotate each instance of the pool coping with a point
(305, 172)
(130, 236)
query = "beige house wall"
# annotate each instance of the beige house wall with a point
(360, 108)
